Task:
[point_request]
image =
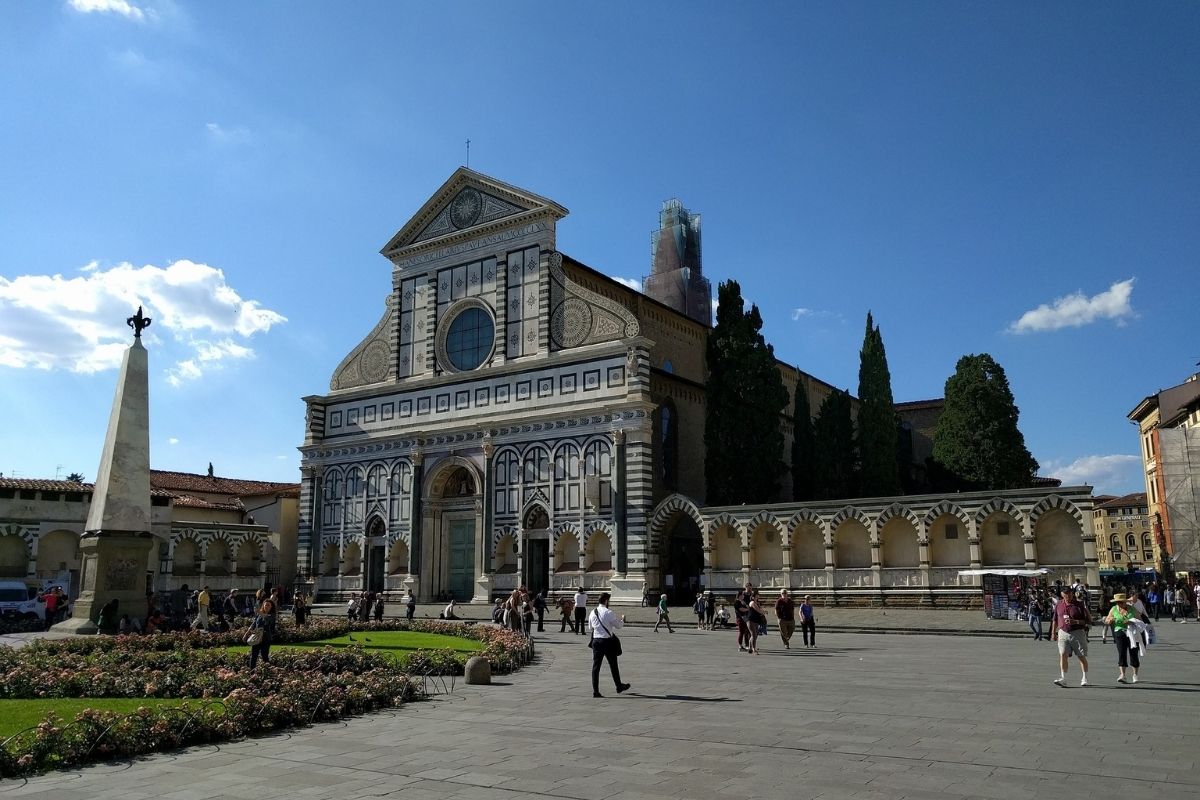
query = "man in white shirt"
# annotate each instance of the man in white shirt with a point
(605, 645)
(580, 610)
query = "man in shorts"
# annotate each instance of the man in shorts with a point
(1069, 629)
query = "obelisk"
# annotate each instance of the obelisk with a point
(117, 537)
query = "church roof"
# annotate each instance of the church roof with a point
(49, 485)
(187, 501)
(185, 482)
(1124, 501)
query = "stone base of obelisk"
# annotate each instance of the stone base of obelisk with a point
(114, 568)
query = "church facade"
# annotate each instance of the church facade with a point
(516, 417)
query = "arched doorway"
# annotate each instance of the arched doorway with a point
(683, 566)
(376, 553)
(536, 526)
(452, 548)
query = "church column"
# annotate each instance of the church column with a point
(830, 566)
(483, 584)
(414, 551)
(308, 533)
(642, 565)
(923, 559)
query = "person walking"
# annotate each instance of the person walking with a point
(1035, 616)
(605, 644)
(202, 603)
(580, 611)
(566, 606)
(410, 606)
(785, 613)
(710, 609)
(1069, 629)
(1153, 601)
(698, 610)
(1169, 600)
(1128, 656)
(808, 623)
(379, 605)
(539, 606)
(663, 615)
(260, 634)
(352, 608)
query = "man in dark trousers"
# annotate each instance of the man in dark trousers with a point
(539, 605)
(580, 611)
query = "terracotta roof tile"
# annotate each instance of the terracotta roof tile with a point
(48, 485)
(187, 501)
(1135, 499)
(192, 482)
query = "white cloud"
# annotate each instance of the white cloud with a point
(1076, 310)
(222, 135)
(632, 283)
(813, 313)
(172, 440)
(1112, 474)
(78, 323)
(122, 7)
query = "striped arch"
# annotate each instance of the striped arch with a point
(1052, 502)
(721, 521)
(848, 513)
(805, 515)
(765, 517)
(497, 534)
(946, 507)
(998, 504)
(898, 510)
(665, 512)
(592, 528)
(178, 536)
(219, 535)
(26, 534)
(402, 536)
(572, 528)
(254, 538)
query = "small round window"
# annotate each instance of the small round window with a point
(470, 338)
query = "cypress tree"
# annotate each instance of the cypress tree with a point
(834, 436)
(804, 447)
(877, 423)
(746, 396)
(977, 439)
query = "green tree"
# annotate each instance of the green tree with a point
(746, 396)
(879, 475)
(833, 432)
(75, 477)
(804, 447)
(977, 439)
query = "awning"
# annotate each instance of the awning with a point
(1010, 573)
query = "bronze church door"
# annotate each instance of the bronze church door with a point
(462, 559)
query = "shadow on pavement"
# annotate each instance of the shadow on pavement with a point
(689, 698)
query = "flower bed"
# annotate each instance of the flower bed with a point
(297, 687)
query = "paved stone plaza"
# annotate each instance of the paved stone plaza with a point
(864, 716)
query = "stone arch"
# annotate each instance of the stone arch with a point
(502, 531)
(1059, 537)
(898, 511)
(397, 555)
(598, 549)
(352, 558)
(218, 554)
(1054, 502)
(444, 469)
(567, 547)
(999, 504)
(185, 556)
(330, 555)
(504, 551)
(807, 536)
(766, 543)
(726, 537)
(899, 542)
(765, 517)
(58, 551)
(947, 535)
(248, 554)
(535, 516)
(1000, 535)
(944, 508)
(852, 543)
(848, 513)
(665, 512)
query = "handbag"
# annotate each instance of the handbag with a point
(255, 636)
(616, 643)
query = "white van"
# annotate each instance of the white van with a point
(18, 602)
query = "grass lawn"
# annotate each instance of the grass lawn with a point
(394, 644)
(17, 715)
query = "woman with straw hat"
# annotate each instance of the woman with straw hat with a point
(1127, 650)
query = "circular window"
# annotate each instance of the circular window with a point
(470, 338)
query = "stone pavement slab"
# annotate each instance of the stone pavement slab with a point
(864, 716)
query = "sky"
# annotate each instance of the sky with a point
(1018, 179)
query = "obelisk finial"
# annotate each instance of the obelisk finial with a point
(139, 323)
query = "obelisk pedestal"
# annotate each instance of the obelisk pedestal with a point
(117, 538)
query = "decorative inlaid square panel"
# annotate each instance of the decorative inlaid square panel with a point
(423, 404)
(335, 419)
(482, 396)
(443, 403)
(545, 387)
(523, 390)
(502, 393)
(566, 384)
(406, 408)
(462, 400)
(616, 376)
(352, 416)
(386, 411)
(591, 380)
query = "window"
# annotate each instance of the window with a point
(1148, 555)
(951, 531)
(1131, 542)
(1114, 542)
(470, 338)
(1112, 524)
(668, 443)
(1146, 541)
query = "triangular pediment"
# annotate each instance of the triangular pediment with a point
(468, 201)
